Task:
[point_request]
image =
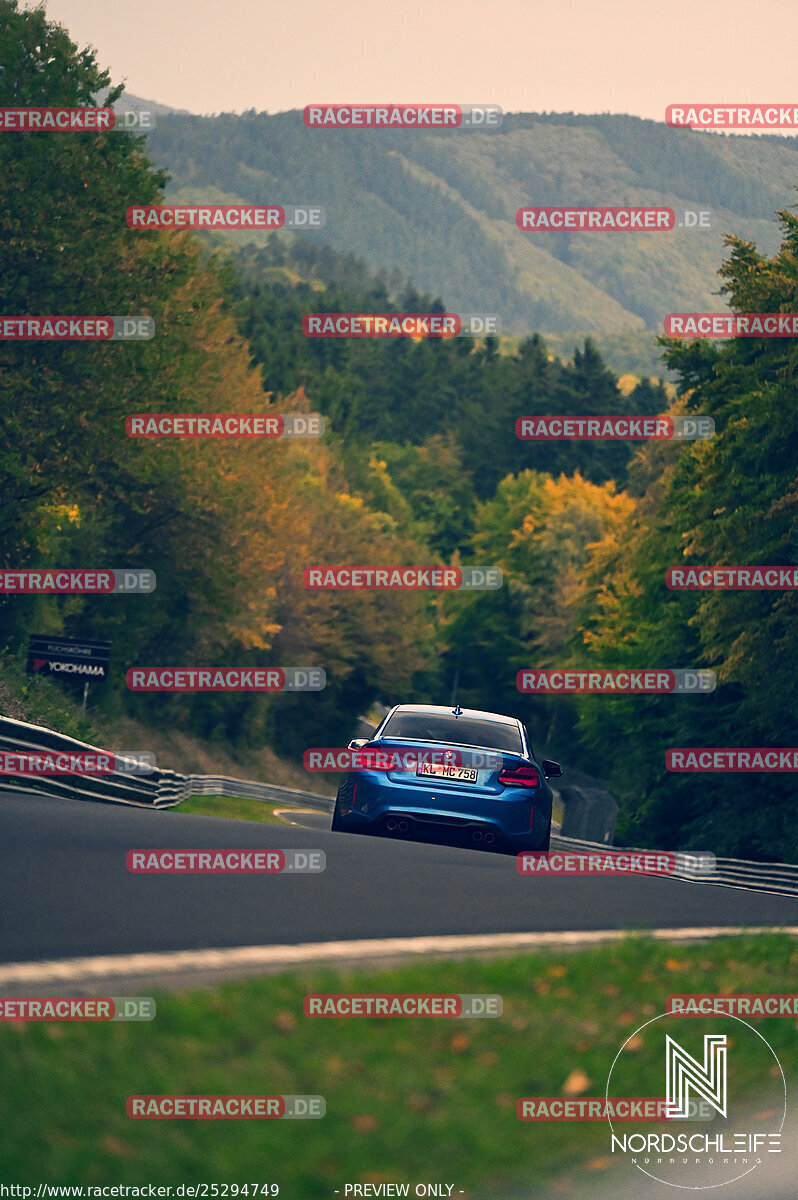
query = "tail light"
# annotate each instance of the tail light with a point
(526, 777)
(374, 760)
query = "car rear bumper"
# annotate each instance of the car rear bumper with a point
(384, 806)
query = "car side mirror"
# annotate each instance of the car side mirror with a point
(551, 769)
(357, 743)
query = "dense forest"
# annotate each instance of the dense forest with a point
(406, 393)
(442, 208)
(420, 465)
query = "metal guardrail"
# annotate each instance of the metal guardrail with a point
(165, 789)
(155, 789)
(221, 785)
(776, 878)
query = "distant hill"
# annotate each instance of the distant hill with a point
(128, 100)
(441, 207)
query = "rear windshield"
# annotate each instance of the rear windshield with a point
(461, 731)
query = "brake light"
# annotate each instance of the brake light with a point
(374, 760)
(526, 777)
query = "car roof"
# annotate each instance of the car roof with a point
(444, 710)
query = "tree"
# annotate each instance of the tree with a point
(732, 500)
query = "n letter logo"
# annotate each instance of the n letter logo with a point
(684, 1074)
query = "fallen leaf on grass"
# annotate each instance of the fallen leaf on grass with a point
(576, 1083)
(115, 1145)
(365, 1123)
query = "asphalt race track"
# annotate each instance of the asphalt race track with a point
(65, 890)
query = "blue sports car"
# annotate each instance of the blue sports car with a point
(467, 775)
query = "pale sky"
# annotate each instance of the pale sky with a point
(631, 56)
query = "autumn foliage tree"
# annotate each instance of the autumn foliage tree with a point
(227, 526)
(728, 501)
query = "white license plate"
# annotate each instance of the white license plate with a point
(441, 771)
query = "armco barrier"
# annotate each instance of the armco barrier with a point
(221, 785)
(156, 789)
(778, 878)
(165, 789)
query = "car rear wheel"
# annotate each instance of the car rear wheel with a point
(337, 825)
(546, 843)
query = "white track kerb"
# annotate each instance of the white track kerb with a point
(244, 960)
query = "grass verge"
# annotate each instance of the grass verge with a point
(43, 701)
(407, 1100)
(243, 808)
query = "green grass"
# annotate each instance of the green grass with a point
(41, 701)
(407, 1100)
(243, 808)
